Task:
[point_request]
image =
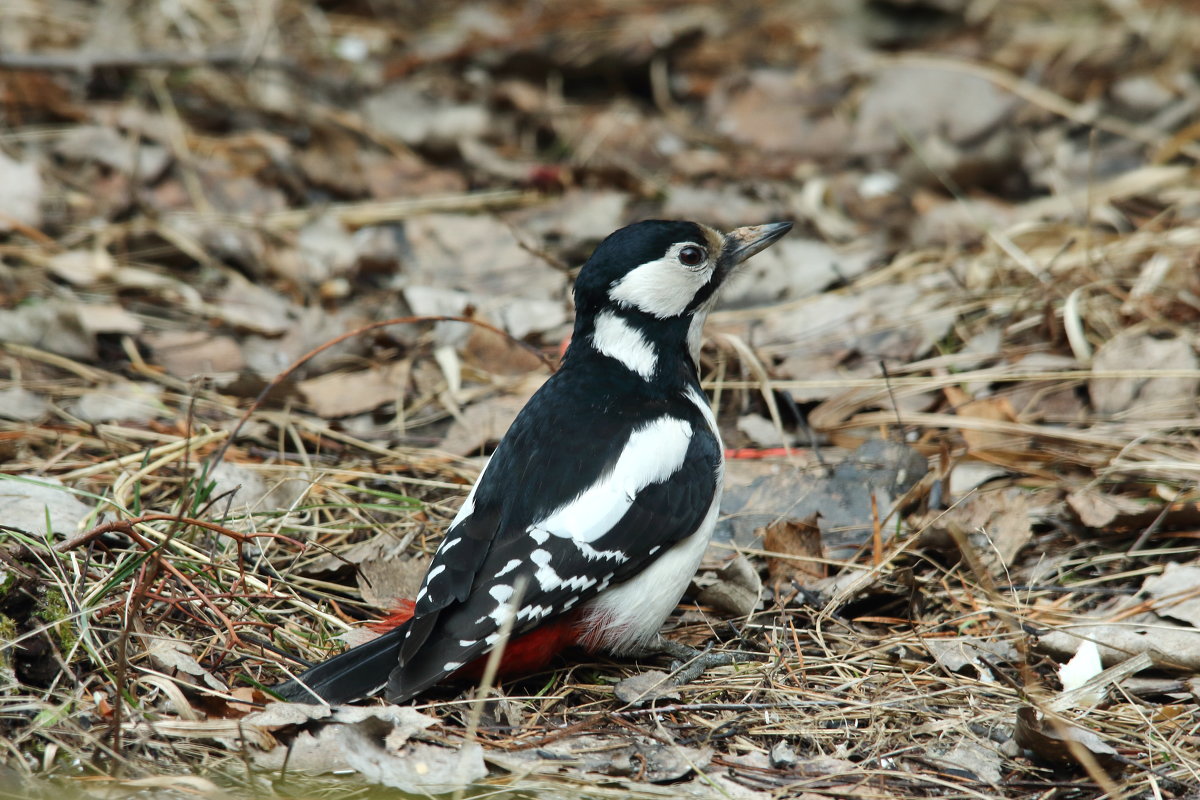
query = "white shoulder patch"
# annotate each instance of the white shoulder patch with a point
(653, 454)
(616, 338)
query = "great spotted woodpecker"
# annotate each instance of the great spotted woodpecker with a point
(599, 501)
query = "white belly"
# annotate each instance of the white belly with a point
(626, 617)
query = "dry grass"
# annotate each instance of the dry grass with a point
(142, 638)
(162, 565)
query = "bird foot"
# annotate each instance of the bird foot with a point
(690, 663)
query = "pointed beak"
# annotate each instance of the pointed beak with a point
(741, 243)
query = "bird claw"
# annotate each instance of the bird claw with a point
(688, 663)
(688, 671)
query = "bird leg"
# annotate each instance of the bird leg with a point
(689, 663)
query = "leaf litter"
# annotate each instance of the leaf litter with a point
(960, 402)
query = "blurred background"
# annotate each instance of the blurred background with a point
(988, 305)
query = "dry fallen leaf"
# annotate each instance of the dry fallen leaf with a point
(20, 193)
(487, 419)
(177, 658)
(361, 738)
(1175, 646)
(1098, 510)
(108, 318)
(878, 471)
(83, 267)
(386, 574)
(417, 768)
(477, 254)
(638, 757)
(31, 505)
(244, 488)
(995, 408)
(968, 654)
(983, 763)
(1177, 591)
(908, 103)
(496, 354)
(52, 324)
(18, 403)
(775, 111)
(343, 394)
(998, 523)
(735, 589)
(187, 354)
(1145, 397)
(645, 687)
(1052, 742)
(126, 401)
(800, 540)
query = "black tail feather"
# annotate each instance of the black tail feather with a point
(359, 672)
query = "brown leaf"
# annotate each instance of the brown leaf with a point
(384, 575)
(108, 318)
(498, 355)
(776, 111)
(177, 658)
(186, 354)
(1054, 743)
(1178, 591)
(995, 408)
(639, 689)
(1142, 397)
(997, 523)
(1098, 510)
(906, 103)
(400, 174)
(476, 253)
(735, 589)
(18, 403)
(800, 539)
(83, 267)
(20, 193)
(342, 394)
(1174, 647)
(487, 420)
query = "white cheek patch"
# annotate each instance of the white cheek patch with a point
(653, 454)
(616, 338)
(661, 288)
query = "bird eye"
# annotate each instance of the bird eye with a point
(692, 256)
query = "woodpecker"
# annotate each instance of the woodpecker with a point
(591, 517)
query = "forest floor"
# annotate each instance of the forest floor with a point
(959, 399)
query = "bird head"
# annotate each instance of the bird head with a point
(660, 278)
(666, 268)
